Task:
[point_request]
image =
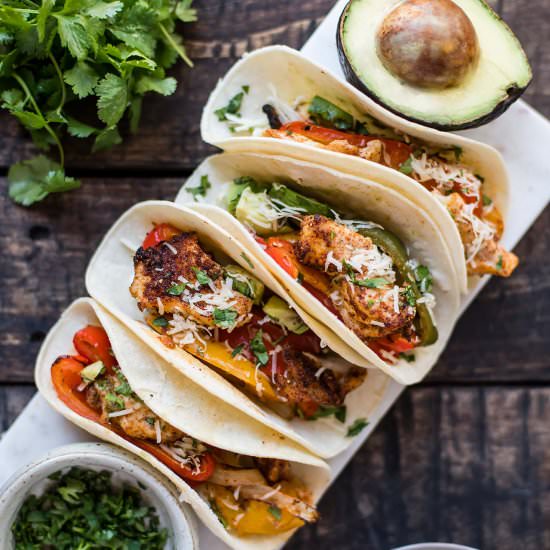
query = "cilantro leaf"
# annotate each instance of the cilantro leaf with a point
(202, 276)
(423, 278)
(257, 347)
(163, 86)
(406, 167)
(82, 79)
(236, 351)
(112, 100)
(326, 410)
(79, 129)
(376, 282)
(225, 318)
(176, 289)
(233, 107)
(34, 179)
(275, 511)
(185, 12)
(201, 189)
(103, 10)
(106, 139)
(160, 322)
(73, 35)
(357, 427)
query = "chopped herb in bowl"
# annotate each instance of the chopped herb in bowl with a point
(83, 510)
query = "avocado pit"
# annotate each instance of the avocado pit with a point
(428, 43)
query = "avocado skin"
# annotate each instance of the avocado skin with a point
(514, 93)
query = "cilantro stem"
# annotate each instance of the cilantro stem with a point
(62, 84)
(37, 110)
(176, 46)
(21, 10)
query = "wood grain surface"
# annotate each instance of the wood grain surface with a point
(463, 457)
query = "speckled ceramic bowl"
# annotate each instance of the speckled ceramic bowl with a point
(126, 468)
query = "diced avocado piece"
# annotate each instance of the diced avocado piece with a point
(245, 283)
(279, 311)
(496, 78)
(235, 190)
(91, 372)
(257, 211)
(295, 200)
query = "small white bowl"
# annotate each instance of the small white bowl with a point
(125, 468)
(435, 546)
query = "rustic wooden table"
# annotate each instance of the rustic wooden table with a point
(464, 456)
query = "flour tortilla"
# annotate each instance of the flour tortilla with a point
(108, 278)
(294, 76)
(181, 403)
(363, 199)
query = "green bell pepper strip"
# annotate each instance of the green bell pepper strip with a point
(394, 248)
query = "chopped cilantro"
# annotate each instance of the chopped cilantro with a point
(82, 510)
(423, 278)
(410, 295)
(275, 511)
(114, 401)
(409, 357)
(176, 289)
(376, 282)
(201, 189)
(124, 387)
(487, 201)
(325, 410)
(236, 351)
(150, 420)
(216, 510)
(406, 167)
(258, 348)
(233, 107)
(246, 88)
(458, 152)
(160, 322)
(225, 318)
(300, 278)
(499, 263)
(357, 427)
(202, 276)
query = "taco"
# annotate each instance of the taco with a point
(189, 290)
(249, 485)
(363, 260)
(277, 101)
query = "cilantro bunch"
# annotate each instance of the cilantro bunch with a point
(56, 56)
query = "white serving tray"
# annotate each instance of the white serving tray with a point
(521, 135)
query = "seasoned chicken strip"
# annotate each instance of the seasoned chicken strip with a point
(176, 261)
(371, 312)
(485, 256)
(111, 394)
(326, 244)
(301, 387)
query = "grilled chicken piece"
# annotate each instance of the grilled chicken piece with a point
(293, 505)
(160, 267)
(273, 469)
(325, 244)
(487, 257)
(371, 312)
(299, 385)
(104, 394)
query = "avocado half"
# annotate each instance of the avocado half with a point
(502, 73)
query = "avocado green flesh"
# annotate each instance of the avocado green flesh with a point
(501, 75)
